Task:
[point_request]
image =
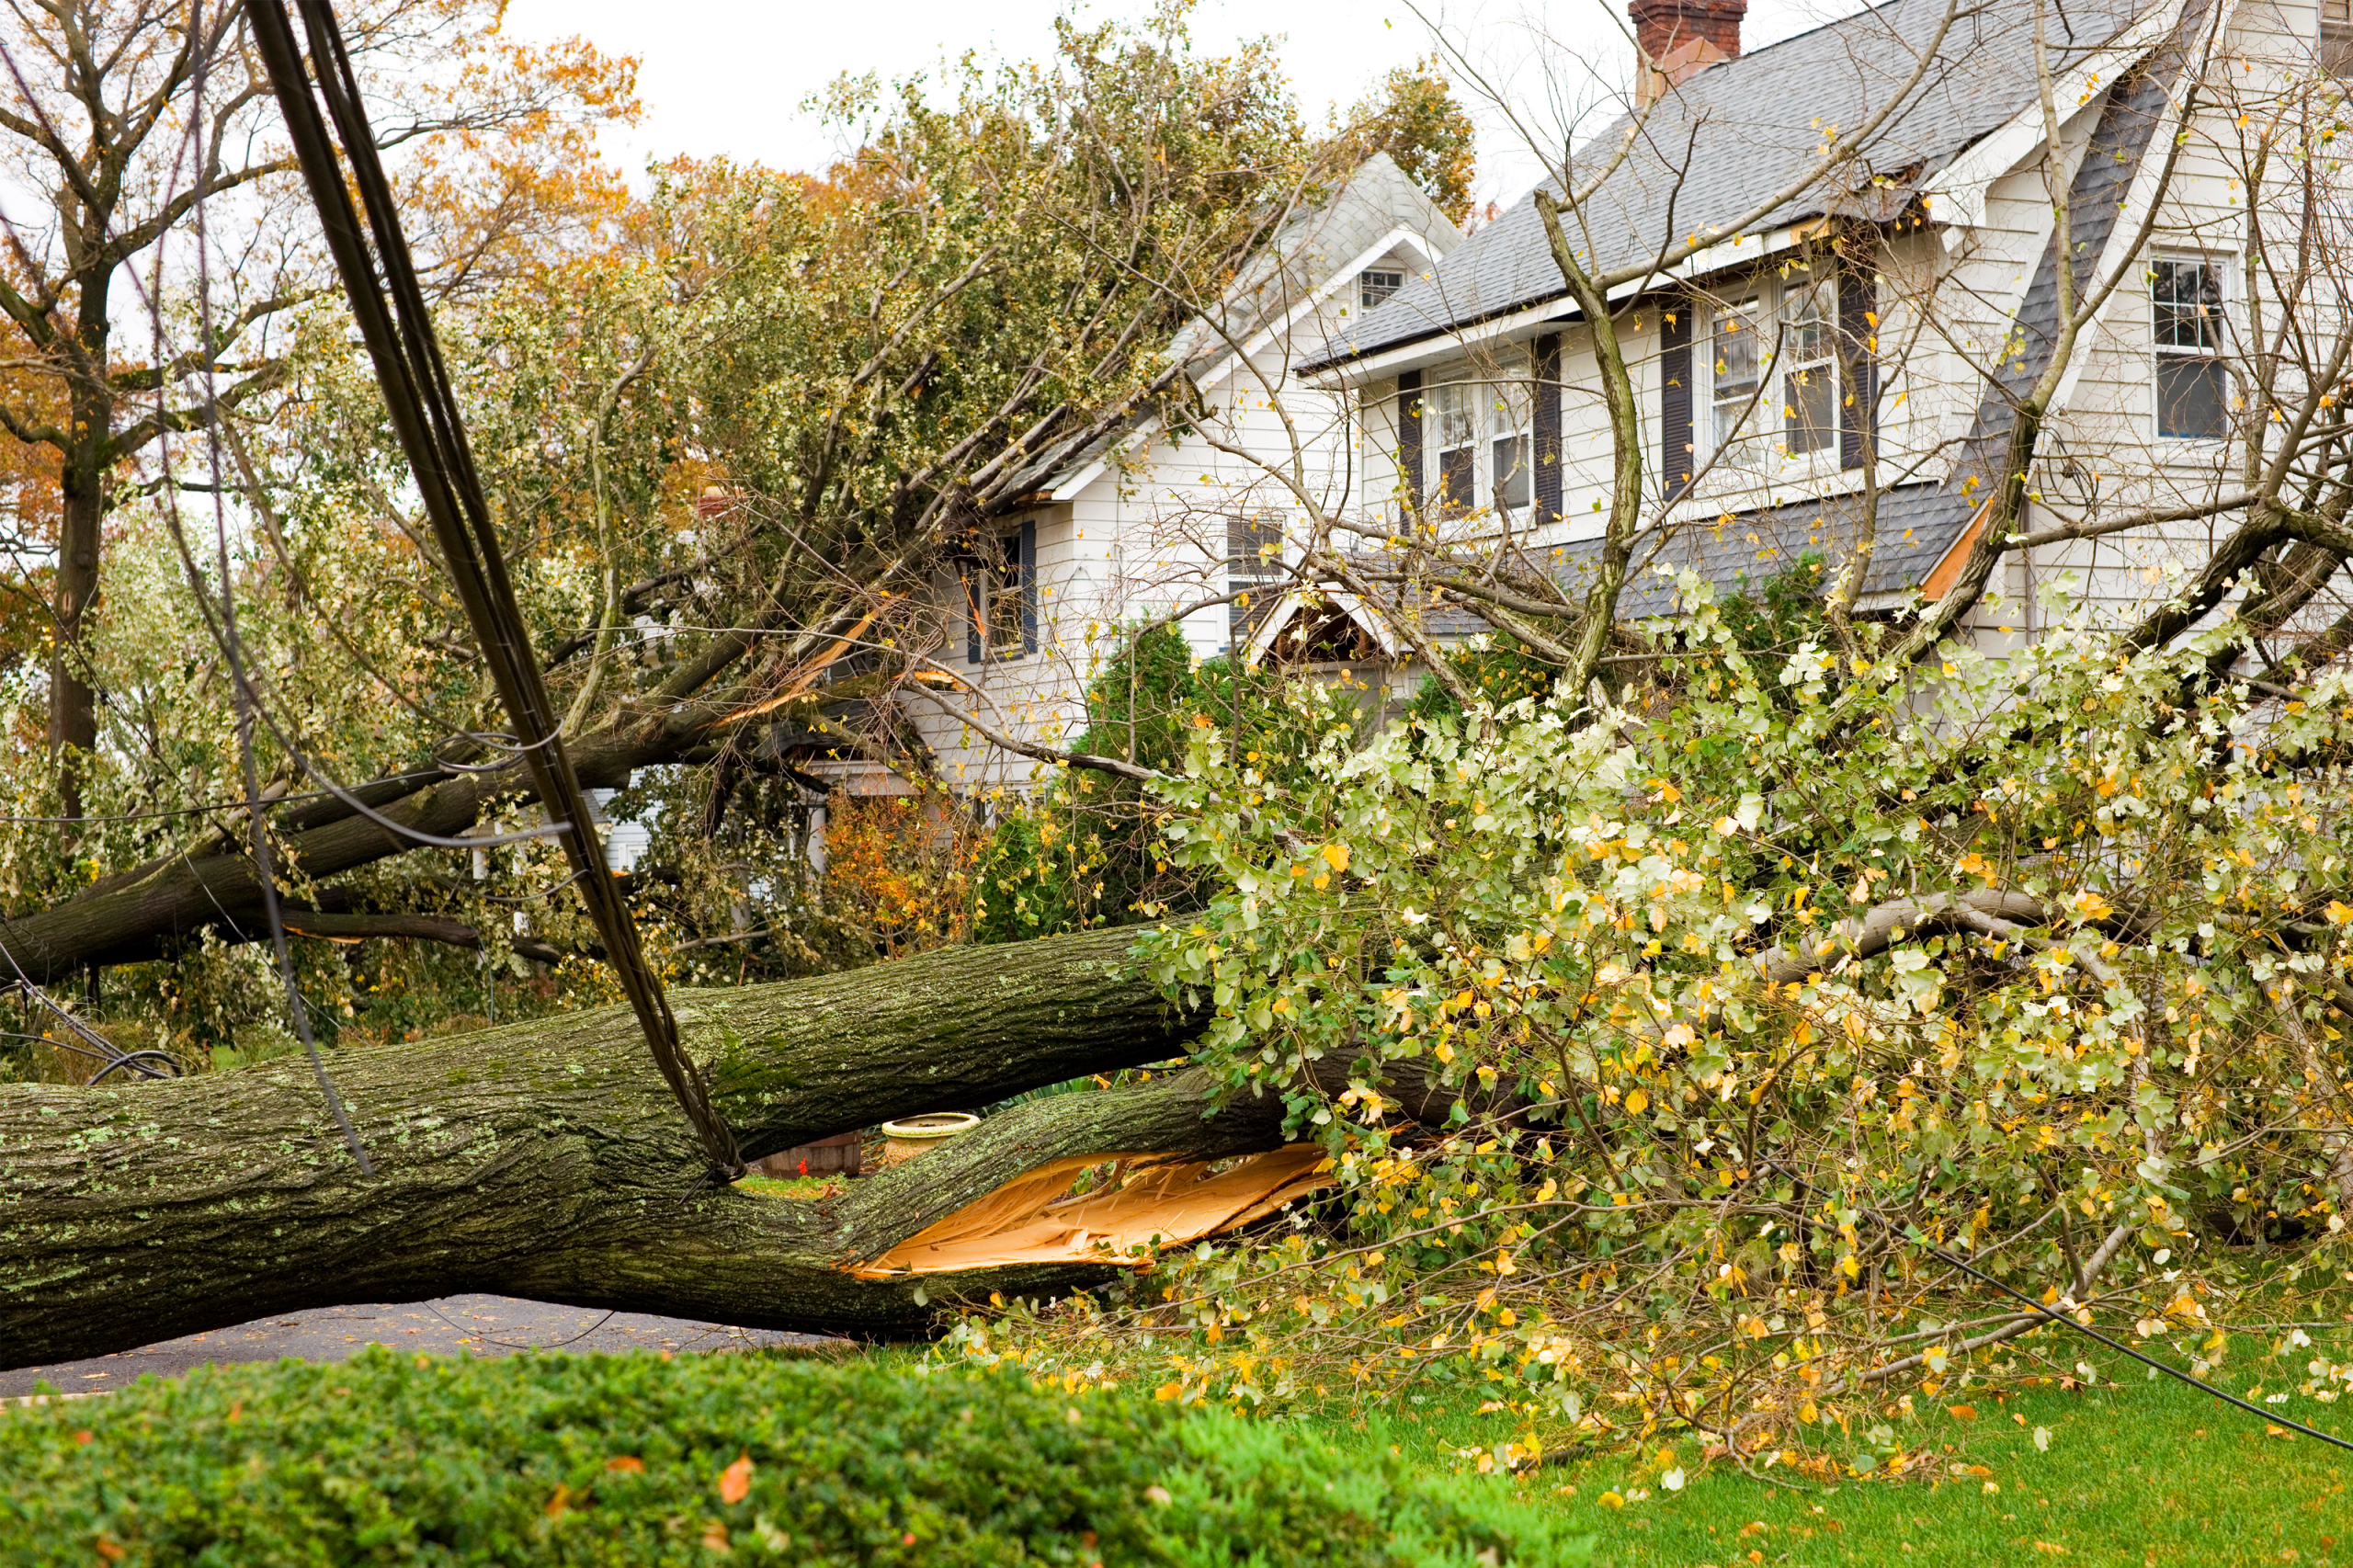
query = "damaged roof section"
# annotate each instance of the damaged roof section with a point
(1752, 125)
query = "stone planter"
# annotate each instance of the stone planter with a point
(919, 1134)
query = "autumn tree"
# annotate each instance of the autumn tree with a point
(126, 115)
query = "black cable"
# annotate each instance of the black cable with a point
(388, 307)
(2086, 1329)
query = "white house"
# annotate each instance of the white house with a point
(1158, 522)
(1857, 349)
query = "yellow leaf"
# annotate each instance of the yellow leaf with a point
(2339, 912)
(1338, 854)
(735, 1481)
(1611, 1500)
(1635, 1102)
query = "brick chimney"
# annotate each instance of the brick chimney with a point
(1681, 37)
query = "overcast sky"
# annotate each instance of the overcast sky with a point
(727, 76)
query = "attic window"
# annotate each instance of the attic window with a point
(1375, 284)
(2186, 300)
(2336, 36)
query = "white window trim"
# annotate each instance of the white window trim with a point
(1769, 455)
(2226, 285)
(1492, 395)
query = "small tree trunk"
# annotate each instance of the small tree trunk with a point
(73, 704)
(545, 1159)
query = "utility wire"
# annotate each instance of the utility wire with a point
(2086, 1329)
(388, 306)
(256, 819)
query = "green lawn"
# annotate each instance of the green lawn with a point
(2135, 1473)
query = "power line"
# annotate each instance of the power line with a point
(388, 305)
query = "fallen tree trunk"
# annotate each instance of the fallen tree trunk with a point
(545, 1159)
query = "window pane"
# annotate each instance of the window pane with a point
(1254, 548)
(1376, 284)
(1454, 478)
(1807, 312)
(1509, 405)
(2185, 297)
(2190, 396)
(1004, 587)
(1810, 407)
(1511, 473)
(1734, 367)
(1454, 417)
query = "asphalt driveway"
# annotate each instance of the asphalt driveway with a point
(453, 1326)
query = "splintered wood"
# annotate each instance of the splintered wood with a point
(1033, 1219)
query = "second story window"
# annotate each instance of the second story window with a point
(1001, 596)
(2335, 35)
(1453, 420)
(1511, 472)
(1375, 284)
(2186, 309)
(1737, 358)
(1809, 366)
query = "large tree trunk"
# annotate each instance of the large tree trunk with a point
(545, 1159)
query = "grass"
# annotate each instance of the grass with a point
(807, 1189)
(2136, 1473)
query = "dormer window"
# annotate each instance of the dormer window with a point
(1482, 452)
(1772, 375)
(1737, 358)
(1375, 284)
(2335, 35)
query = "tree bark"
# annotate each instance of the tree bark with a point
(545, 1159)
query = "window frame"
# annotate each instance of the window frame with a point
(1000, 595)
(2214, 354)
(1371, 295)
(1766, 299)
(1450, 426)
(1801, 357)
(1468, 418)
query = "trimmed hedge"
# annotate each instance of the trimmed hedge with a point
(739, 1459)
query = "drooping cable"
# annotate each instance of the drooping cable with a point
(2064, 1320)
(389, 307)
(241, 685)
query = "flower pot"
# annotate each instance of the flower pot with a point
(920, 1134)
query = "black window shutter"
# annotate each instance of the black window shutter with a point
(975, 581)
(1858, 351)
(1029, 586)
(1547, 423)
(1409, 440)
(1675, 435)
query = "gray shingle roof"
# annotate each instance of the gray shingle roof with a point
(1917, 524)
(1743, 129)
(1377, 199)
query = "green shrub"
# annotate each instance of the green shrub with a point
(635, 1460)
